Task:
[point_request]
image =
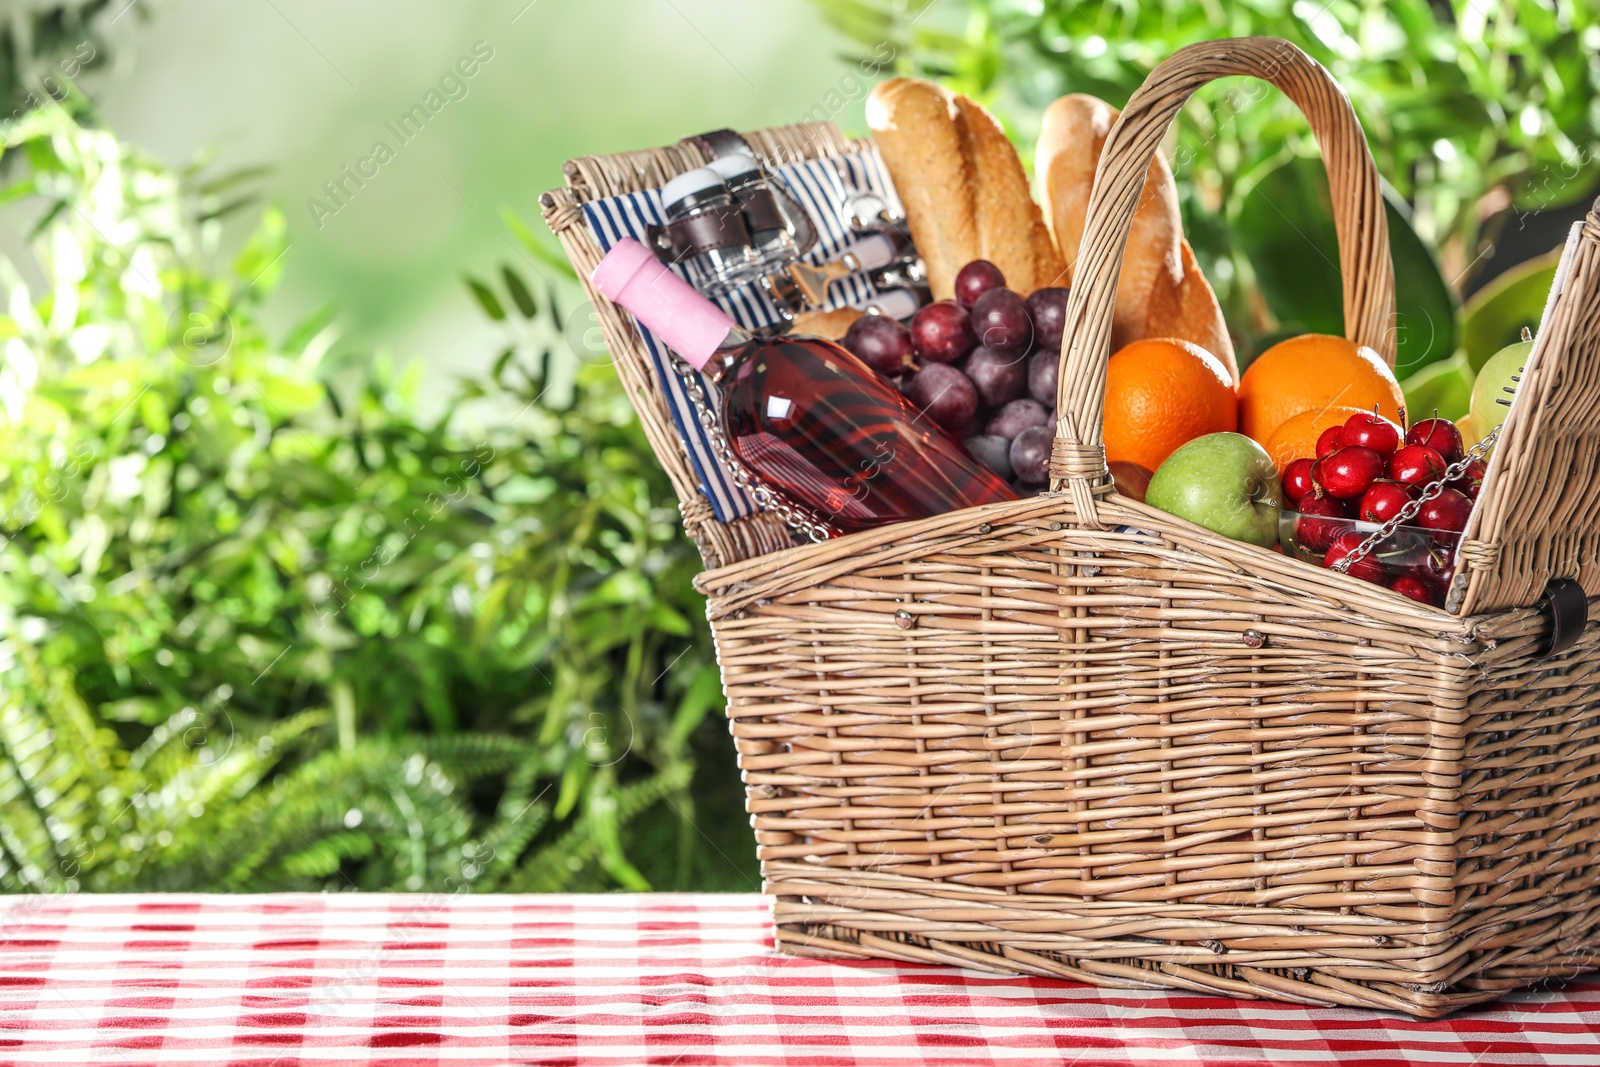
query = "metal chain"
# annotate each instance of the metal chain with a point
(1433, 489)
(798, 517)
(1430, 492)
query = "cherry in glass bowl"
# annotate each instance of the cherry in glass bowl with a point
(1413, 562)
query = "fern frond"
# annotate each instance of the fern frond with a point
(551, 869)
(470, 756)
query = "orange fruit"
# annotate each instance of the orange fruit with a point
(1297, 437)
(1314, 372)
(1162, 393)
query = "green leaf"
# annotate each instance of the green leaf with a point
(231, 179)
(1444, 387)
(1286, 228)
(662, 618)
(18, 190)
(1497, 313)
(324, 857)
(49, 218)
(260, 263)
(1426, 310)
(497, 372)
(520, 294)
(153, 412)
(536, 246)
(486, 299)
(603, 808)
(288, 396)
(703, 694)
(1284, 224)
(222, 211)
(307, 328)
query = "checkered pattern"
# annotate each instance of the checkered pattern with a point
(663, 979)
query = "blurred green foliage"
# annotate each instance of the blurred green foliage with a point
(44, 48)
(1466, 105)
(260, 631)
(263, 628)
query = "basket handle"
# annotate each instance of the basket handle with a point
(1078, 461)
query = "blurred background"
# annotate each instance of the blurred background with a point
(305, 88)
(330, 554)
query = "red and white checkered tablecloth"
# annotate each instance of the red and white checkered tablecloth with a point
(271, 981)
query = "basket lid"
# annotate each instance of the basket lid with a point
(1538, 514)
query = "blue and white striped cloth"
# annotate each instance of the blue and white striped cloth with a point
(822, 186)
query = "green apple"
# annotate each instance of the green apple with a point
(1224, 482)
(1494, 379)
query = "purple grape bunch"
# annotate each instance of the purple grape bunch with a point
(982, 367)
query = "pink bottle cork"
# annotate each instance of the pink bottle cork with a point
(668, 306)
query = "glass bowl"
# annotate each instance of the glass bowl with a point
(1412, 561)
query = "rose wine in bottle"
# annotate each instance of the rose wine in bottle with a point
(804, 414)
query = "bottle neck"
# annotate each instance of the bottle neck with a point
(667, 306)
(728, 354)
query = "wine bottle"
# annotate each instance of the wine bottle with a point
(804, 414)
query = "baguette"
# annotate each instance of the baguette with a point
(1011, 230)
(1160, 292)
(963, 187)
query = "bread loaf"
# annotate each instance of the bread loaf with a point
(830, 324)
(1011, 230)
(964, 190)
(1160, 292)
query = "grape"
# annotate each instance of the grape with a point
(944, 394)
(993, 452)
(975, 279)
(1017, 416)
(1030, 455)
(1001, 321)
(972, 427)
(942, 333)
(1043, 368)
(1000, 378)
(1049, 310)
(881, 343)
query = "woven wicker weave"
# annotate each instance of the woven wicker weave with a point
(1076, 736)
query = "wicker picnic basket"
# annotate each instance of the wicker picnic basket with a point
(1075, 736)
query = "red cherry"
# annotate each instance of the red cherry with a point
(1383, 501)
(1374, 432)
(1322, 520)
(1440, 435)
(1297, 481)
(1443, 577)
(1472, 481)
(1447, 511)
(1348, 472)
(1367, 568)
(1438, 564)
(1331, 440)
(1416, 465)
(1418, 589)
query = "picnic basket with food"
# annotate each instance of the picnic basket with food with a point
(1053, 645)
